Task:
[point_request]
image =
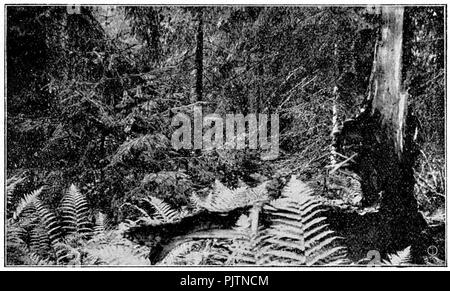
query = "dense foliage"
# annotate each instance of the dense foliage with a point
(91, 96)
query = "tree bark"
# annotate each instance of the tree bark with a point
(393, 162)
(154, 34)
(199, 56)
(384, 137)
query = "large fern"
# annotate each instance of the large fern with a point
(33, 229)
(298, 234)
(74, 210)
(48, 222)
(44, 238)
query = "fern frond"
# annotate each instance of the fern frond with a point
(184, 254)
(102, 224)
(118, 255)
(402, 257)
(39, 241)
(144, 218)
(224, 199)
(12, 182)
(164, 212)
(37, 260)
(74, 211)
(11, 185)
(25, 202)
(49, 221)
(67, 255)
(244, 249)
(15, 234)
(298, 234)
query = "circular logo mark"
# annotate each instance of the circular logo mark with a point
(432, 250)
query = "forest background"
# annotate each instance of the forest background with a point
(91, 92)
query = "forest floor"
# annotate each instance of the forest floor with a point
(339, 189)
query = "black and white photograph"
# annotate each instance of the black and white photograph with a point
(151, 135)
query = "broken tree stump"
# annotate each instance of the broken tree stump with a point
(384, 137)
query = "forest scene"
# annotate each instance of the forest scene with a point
(225, 135)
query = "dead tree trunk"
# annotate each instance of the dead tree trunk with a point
(154, 34)
(384, 134)
(389, 108)
(199, 56)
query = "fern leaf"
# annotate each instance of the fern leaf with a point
(183, 255)
(49, 222)
(39, 241)
(244, 249)
(37, 260)
(164, 212)
(74, 211)
(15, 234)
(298, 234)
(25, 202)
(336, 253)
(287, 256)
(11, 185)
(402, 257)
(224, 199)
(67, 255)
(102, 224)
(119, 255)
